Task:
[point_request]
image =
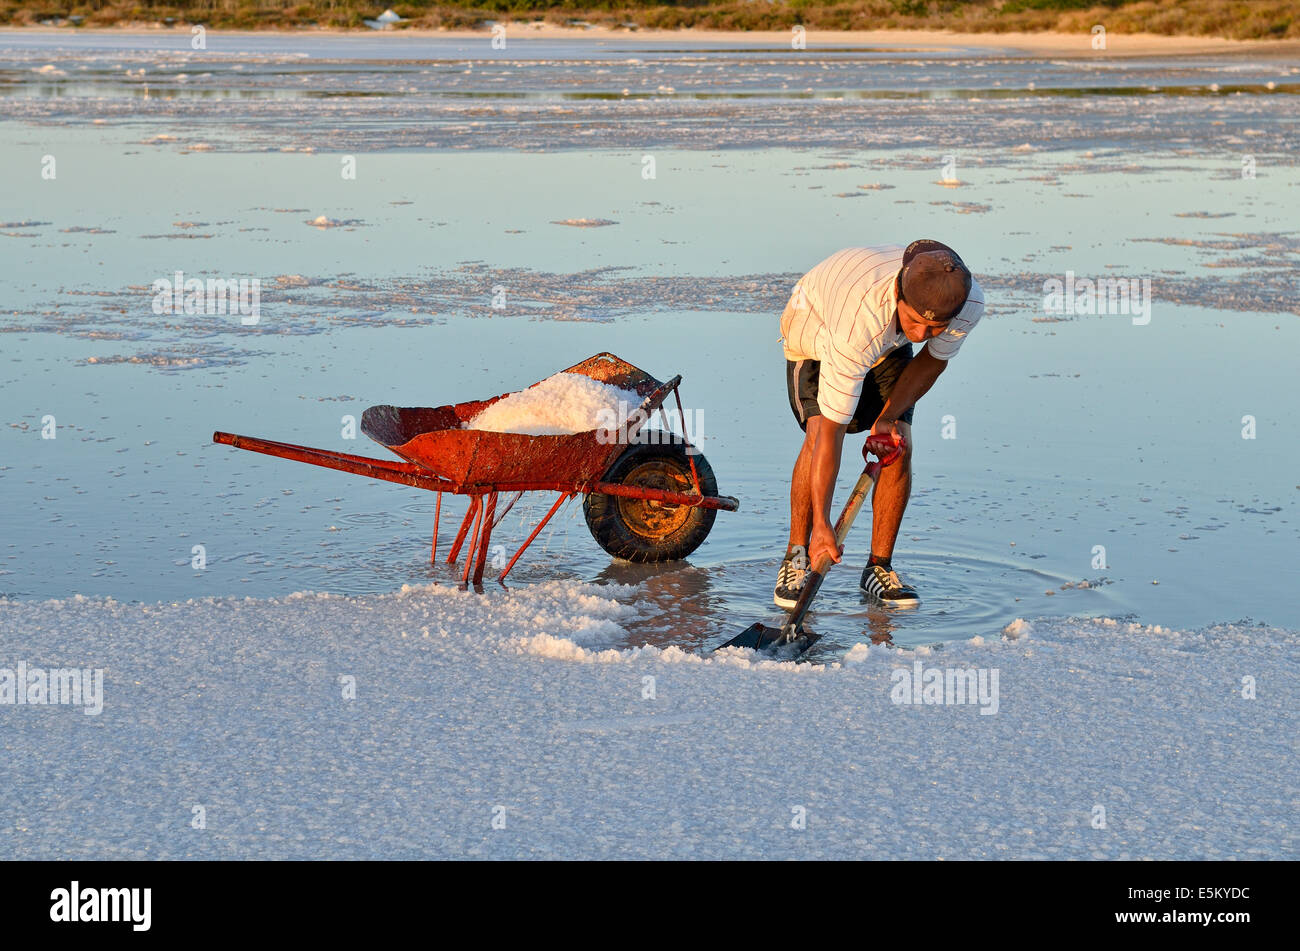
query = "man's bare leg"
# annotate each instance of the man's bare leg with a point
(889, 501)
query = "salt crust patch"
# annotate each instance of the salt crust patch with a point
(580, 622)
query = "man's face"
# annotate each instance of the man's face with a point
(915, 327)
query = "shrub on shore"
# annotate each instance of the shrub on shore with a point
(1234, 19)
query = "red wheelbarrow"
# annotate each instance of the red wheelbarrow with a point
(648, 494)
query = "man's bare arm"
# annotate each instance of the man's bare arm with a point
(913, 383)
(827, 444)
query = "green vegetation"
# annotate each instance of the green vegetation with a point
(1236, 19)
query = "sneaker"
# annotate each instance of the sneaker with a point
(885, 586)
(790, 578)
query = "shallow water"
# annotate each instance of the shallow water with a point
(1069, 434)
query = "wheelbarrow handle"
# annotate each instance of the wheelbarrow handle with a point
(888, 446)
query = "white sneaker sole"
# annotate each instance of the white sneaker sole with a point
(785, 604)
(892, 602)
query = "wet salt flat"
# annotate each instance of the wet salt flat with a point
(444, 271)
(378, 94)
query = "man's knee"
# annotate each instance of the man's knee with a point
(905, 430)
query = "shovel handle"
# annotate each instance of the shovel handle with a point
(814, 581)
(887, 446)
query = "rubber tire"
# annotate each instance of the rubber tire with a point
(612, 532)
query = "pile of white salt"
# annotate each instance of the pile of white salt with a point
(559, 405)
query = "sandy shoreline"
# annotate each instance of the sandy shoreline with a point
(996, 44)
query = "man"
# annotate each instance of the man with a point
(848, 331)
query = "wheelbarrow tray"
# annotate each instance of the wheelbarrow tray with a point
(435, 439)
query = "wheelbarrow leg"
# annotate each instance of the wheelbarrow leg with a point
(473, 540)
(564, 497)
(437, 517)
(485, 538)
(506, 508)
(464, 527)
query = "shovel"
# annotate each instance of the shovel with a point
(762, 637)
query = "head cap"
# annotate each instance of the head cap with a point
(934, 280)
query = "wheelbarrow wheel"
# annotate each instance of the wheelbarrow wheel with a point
(645, 530)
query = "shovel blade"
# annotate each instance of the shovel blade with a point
(760, 637)
(755, 637)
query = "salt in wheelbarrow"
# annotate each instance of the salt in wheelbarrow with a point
(649, 495)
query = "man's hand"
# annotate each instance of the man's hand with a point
(822, 543)
(885, 426)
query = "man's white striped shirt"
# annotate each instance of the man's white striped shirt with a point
(843, 313)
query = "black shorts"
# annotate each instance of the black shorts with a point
(801, 384)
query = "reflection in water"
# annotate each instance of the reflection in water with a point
(880, 627)
(675, 599)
